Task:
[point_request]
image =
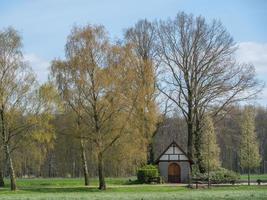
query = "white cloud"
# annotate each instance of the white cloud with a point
(39, 65)
(254, 53)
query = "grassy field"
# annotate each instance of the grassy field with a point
(120, 189)
(254, 177)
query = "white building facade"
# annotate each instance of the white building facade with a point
(174, 164)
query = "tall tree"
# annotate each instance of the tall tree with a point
(261, 129)
(249, 146)
(199, 72)
(143, 37)
(72, 97)
(22, 104)
(101, 72)
(16, 84)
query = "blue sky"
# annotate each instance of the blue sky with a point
(45, 24)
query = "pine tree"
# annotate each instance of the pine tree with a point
(249, 147)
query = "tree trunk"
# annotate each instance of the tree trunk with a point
(102, 184)
(190, 139)
(150, 154)
(13, 185)
(83, 153)
(2, 183)
(50, 165)
(249, 176)
(190, 176)
(84, 163)
(208, 162)
(197, 146)
(190, 131)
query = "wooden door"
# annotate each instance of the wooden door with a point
(174, 173)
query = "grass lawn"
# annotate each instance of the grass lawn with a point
(119, 189)
(254, 177)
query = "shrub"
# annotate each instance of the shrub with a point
(259, 181)
(221, 175)
(147, 172)
(224, 176)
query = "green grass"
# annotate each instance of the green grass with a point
(119, 189)
(254, 177)
(72, 182)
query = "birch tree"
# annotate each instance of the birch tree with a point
(23, 107)
(142, 37)
(16, 84)
(72, 98)
(101, 73)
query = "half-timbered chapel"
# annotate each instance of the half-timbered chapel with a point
(174, 164)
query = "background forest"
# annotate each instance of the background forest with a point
(63, 159)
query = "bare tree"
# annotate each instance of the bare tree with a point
(199, 72)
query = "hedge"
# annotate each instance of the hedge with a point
(221, 175)
(147, 172)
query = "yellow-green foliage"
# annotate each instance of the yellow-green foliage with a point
(210, 151)
(249, 146)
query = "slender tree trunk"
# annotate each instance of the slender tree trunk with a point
(13, 185)
(83, 153)
(248, 147)
(73, 167)
(2, 183)
(50, 165)
(102, 183)
(150, 156)
(208, 162)
(84, 163)
(249, 176)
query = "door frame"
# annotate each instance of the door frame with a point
(177, 177)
